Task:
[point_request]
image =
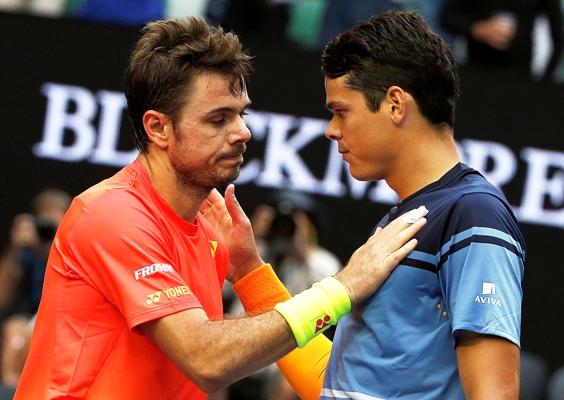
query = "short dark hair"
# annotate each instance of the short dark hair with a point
(166, 58)
(396, 48)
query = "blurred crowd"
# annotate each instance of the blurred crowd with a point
(525, 37)
(22, 267)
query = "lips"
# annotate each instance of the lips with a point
(237, 153)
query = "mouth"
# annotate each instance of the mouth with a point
(235, 156)
(232, 159)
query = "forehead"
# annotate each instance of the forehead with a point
(338, 92)
(212, 89)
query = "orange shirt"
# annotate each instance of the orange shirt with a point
(121, 257)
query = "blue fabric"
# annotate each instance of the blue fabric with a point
(127, 12)
(465, 274)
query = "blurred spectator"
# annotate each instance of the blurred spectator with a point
(556, 385)
(304, 24)
(432, 11)
(499, 32)
(122, 12)
(343, 14)
(22, 267)
(286, 235)
(127, 12)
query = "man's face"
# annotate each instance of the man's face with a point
(365, 138)
(210, 134)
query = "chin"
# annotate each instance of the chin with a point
(228, 177)
(361, 175)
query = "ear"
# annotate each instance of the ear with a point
(397, 103)
(158, 127)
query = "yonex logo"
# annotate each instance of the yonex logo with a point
(488, 288)
(322, 323)
(153, 297)
(169, 293)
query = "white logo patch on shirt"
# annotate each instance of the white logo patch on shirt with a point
(488, 289)
(152, 269)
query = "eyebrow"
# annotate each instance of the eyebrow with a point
(333, 104)
(227, 109)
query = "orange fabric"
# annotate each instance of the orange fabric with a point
(121, 257)
(305, 368)
(259, 291)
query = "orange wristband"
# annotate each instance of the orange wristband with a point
(260, 290)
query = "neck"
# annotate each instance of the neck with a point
(182, 198)
(426, 157)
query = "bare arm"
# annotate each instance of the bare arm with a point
(488, 366)
(214, 354)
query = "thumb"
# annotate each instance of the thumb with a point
(233, 206)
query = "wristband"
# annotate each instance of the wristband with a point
(260, 290)
(314, 310)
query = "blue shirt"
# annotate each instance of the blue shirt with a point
(465, 274)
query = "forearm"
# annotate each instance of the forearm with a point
(252, 344)
(221, 352)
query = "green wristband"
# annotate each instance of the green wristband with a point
(314, 310)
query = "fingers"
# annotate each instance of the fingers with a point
(414, 215)
(233, 206)
(214, 209)
(395, 258)
(215, 197)
(398, 233)
(403, 222)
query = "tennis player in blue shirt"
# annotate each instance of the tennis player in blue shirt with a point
(446, 324)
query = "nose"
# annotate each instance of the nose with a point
(241, 132)
(332, 131)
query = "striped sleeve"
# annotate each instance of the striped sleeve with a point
(481, 265)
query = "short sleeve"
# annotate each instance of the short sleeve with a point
(126, 254)
(481, 267)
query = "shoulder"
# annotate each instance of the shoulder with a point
(486, 209)
(110, 213)
(485, 218)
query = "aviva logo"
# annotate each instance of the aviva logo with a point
(213, 247)
(488, 290)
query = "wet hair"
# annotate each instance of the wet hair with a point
(396, 48)
(166, 58)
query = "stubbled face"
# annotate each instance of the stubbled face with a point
(210, 134)
(365, 138)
